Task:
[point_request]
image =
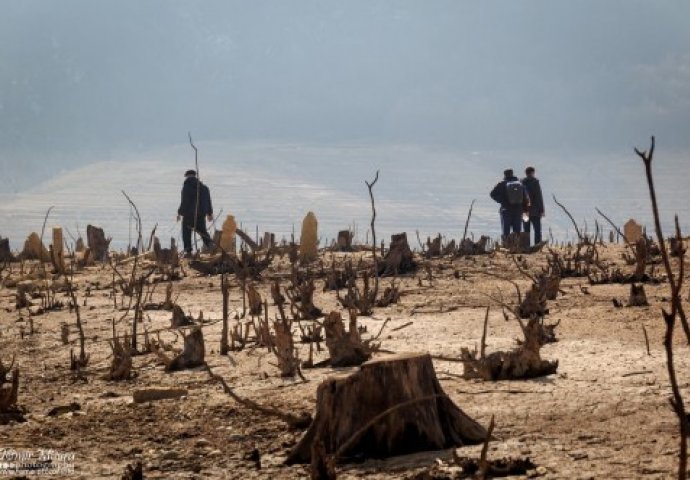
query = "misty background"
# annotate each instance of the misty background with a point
(293, 104)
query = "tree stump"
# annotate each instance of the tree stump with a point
(638, 297)
(5, 252)
(391, 406)
(121, 363)
(523, 362)
(308, 243)
(344, 243)
(98, 244)
(345, 348)
(433, 247)
(179, 319)
(399, 258)
(192, 354)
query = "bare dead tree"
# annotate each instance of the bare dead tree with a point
(370, 186)
(467, 222)
(140, 241)
(677, 312)
(577, 229)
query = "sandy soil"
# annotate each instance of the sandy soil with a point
(605, 414)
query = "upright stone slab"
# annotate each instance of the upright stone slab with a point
(632, 231)
(308, 245)
(34, 249)
(227, 237)
(57, 250)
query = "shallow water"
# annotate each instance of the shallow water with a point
(271, 187)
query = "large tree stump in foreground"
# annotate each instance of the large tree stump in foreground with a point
(391, 406)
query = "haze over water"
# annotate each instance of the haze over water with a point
(273, 186)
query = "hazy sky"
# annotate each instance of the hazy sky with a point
(81, 76)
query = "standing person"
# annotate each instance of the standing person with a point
(536, 209)
(512, 196)
(192, 214)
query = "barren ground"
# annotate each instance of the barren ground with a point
(605, 414)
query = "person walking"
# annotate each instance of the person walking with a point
(511, 194)
(194, 206)
(536, 209)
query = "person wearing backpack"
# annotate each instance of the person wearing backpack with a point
(514, 200)
(192, 213)
(536, 209)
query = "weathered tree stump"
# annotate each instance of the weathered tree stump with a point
(523, 362)
(9, 411)
(284, 348)
(344, 242)
(345, 348)
(121, 363)
(433, 247)
(391, 406)
(469, 247)
(254, 300)
(57, 255)
(192, 354)
(638, 297)
(399, 258)
(5, 252)
(98, 244)
(179, 319)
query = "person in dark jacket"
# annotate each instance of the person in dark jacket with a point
(512, 196)
(536, 209)
(191, 213)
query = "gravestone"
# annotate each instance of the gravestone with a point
(57, 250)
(227, 237)
(34, 249)
(632, 231)
(309, 239)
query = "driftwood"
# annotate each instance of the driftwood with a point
(412, 413)
(192, 354)
(345, 348)
(523, 362)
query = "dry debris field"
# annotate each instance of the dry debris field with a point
(604, 412)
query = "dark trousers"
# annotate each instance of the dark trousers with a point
(535, 220)
(511, 221)
(200, 227)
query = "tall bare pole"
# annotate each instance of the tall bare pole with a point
(198, 189)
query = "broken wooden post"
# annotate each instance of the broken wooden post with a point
(412, 413)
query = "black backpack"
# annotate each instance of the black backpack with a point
(515, 192)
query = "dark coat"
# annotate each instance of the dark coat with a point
(534, 191)
(500, 195)
(189, 196)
